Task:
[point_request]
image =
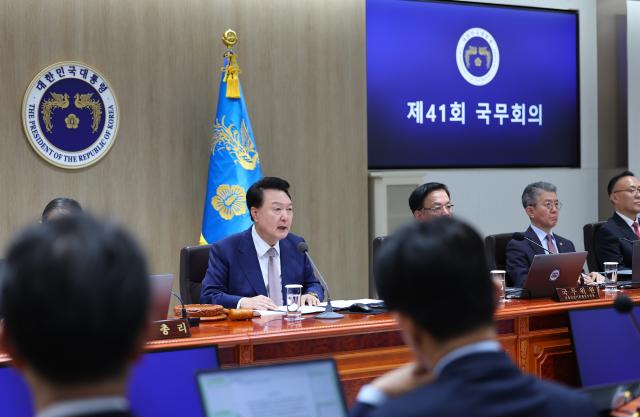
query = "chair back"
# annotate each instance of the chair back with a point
(375, 246)
(589, 232)
(193, 266)
(495, 247)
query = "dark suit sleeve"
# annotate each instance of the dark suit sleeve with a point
(310, 282)
(607, 247)
(361, 410)
(215, 284)
(519, 258)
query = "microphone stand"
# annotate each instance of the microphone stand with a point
(328, 310)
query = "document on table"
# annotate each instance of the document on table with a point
(283, 310)
(347, 303)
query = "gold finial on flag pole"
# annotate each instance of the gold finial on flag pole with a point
(229, 38)
(231, 70)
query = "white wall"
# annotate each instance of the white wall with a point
(490, 198)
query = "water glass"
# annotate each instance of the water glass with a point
(611, 276)
(294, 294)
(498, 277)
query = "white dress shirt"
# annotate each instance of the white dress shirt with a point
(542, 237)
(84, 406)
(627, 220)
(263, 259)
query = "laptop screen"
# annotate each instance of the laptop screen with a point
(606, 344)
(161, 385)
(309, 389)
(15, 397)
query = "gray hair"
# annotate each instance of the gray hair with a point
(532, 192)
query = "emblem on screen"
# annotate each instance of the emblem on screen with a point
(477, 56)
(70, 115)
(555, 274)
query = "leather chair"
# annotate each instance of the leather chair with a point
(495, 247)
(375, 246)
(589, 232)
(193, 266)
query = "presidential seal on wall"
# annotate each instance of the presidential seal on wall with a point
(70, 115)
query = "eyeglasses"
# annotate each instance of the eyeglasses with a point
(630, 190)
(550, 204)
(438, 209)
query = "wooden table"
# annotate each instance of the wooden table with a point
(534, 333)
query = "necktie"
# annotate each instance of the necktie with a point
(636, 230)
(274, 281)
(550, 245)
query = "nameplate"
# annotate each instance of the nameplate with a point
(170, 329)
(576, 293)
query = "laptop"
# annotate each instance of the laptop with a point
(311, 387)
(161, 286)
(548, 272)
(635, 269)
(606, 345)
(161, 384)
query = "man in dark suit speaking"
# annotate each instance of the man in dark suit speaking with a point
(613, 241)
(75, 301)
(434, 277)
(540, 202)
(250, 269)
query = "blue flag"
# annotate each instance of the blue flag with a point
(234, 163)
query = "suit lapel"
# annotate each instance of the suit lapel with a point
(624, 228)
(250, 265)
(532, 235)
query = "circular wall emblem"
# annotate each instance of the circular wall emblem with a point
(70, 115)
(477, 56)
(555, 274)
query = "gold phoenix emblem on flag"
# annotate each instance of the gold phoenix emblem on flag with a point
(238, 144)
(229, 201)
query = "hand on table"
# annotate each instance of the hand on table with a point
(593, 278)
(259, 302)
(309, 299)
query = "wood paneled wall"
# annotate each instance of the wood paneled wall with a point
(303, 65)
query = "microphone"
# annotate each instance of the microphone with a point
(624, 305)
(193, 321)
(328, 311)
(520, 237)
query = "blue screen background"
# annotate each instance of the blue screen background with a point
(607, 346)
(162, 384)
(411, 56)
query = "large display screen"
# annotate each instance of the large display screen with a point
(453, 84)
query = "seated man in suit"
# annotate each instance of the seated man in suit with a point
(540, 202)
(75, 300)
(460, 368)
(250, 269)
(613, 240)
(430, 200)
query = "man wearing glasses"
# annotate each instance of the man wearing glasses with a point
(613, 241)
(429, 201)
(540, 202)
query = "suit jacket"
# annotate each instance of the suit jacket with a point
(608, 244)
(484, 384)
(234, 270)
(520, 255)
